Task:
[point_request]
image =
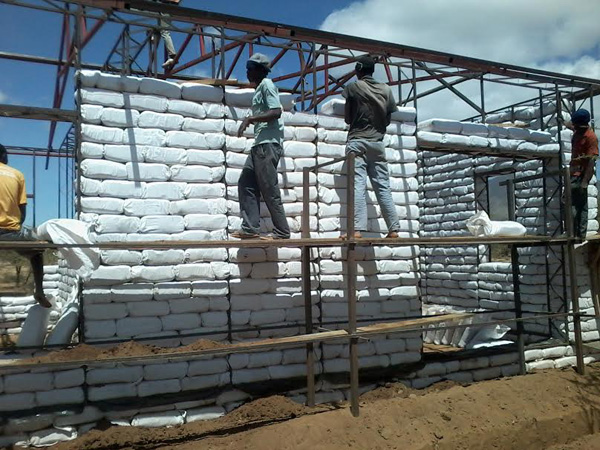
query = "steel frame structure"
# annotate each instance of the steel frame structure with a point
(314, 66)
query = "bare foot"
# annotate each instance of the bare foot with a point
(357, 235)
(392, 235)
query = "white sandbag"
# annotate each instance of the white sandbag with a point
(100, 134)
(90, 187)
(299, 119)
(428, 138)
(147, 172)
(160, 87)
(206, 254)
(404, 114)
(456, 140)
(210, 288)
(165, 155)
(102, 97)
(203, 125)
(518, 133)
(184, 139)
(145, 136)
(150, 119)
(205, 221)
(92, 150)
(122, 189)
(163, 257)
(294, 149)
(153, 274)
(481, 225)
(109, 275)
(96, 168)
(400, 142)
(143, 102)
(232, 127)
(69, 231)
(161, 224)
(213, 190)
(205, 157)
(124, 153)
(117, 224)
(215, 110)
(195, 173)
(331, 123)
(237, 160)
(195, 271)
(540, 137)
(88, 78)
(135, 207)
(33, 331)
(440, 126)
(215, 140)
(186, 108)
(120, 118)
(478, 141)
(474, 129)
(330, 150)
(333, 136)
(333, 107)
(92, 113)
(405, 128)
(167, 190)
(305, 134)
(403, 170)
(51, 436)
(121, 257)
(209, 413)
(199, 206)
(118, 83)
(101, 205)
(160, 419)
(201, 93)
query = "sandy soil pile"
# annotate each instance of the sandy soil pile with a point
(556, 410)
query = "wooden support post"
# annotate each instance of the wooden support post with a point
(351, 274)
(514, 258)
(573, 272)
(306, 289)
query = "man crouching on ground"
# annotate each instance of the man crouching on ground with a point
(13, 203)
(259, 175)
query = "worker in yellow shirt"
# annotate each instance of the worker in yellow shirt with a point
(13, 203)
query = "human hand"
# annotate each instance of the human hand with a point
(245, 123)
(584, 184)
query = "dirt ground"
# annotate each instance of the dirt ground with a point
(555, 409)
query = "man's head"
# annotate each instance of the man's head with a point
(3, 155)
(257, 68)
(580, 118)
(365, 66)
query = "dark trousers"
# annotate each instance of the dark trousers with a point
(259, 178)
(579, 200)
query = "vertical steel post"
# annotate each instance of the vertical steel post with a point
(482, 90)
(306, 289)
(414, 82)
(573, 272)
(514, 258)
(351, 274)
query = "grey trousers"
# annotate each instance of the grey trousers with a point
(579, 201)
(259, 178)
(370, 161)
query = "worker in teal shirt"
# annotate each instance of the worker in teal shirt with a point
(259, 175)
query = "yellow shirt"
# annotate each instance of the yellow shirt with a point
(12, 195)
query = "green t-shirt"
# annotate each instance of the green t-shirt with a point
(266, 97)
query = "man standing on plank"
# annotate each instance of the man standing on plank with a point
(259, 175)
(583, 162)
(13, 203)
(369, 105)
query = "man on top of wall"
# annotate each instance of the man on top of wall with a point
(259, 175)
(583, 162)
(13, 203)
(369, 105)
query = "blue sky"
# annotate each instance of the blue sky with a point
(533, 33)
(35, 32)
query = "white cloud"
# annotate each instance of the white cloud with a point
(3, 97)
(542, 34)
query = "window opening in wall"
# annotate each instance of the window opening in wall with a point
(498, 210)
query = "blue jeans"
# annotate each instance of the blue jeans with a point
(259, 178)
(370, 160)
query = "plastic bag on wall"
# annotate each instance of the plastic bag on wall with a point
(481, 225)
(70, 231)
